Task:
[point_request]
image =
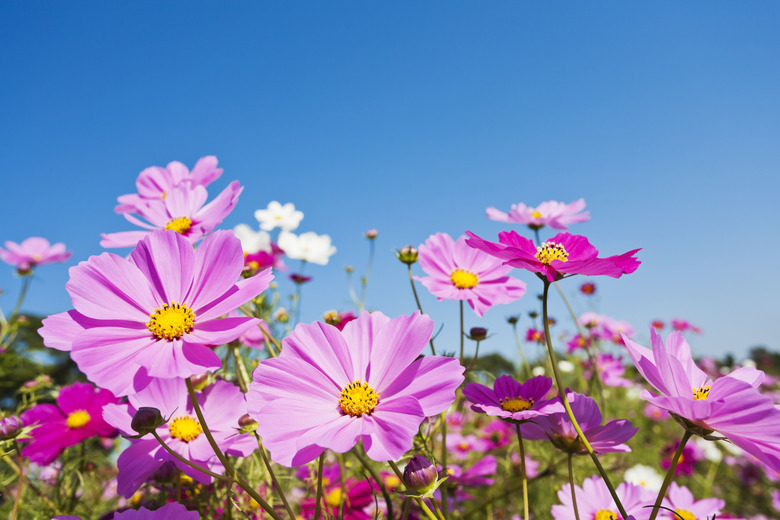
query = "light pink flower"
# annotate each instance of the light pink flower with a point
(32, 252)
(552, 213)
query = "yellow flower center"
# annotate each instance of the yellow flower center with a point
(358, 398)
(685, 515)
(185, 428)
(333, 498)
(78, 419)
(701, 393)
(550, 251)
(606, 514)
(515, 405)
(536, 214)
(463, 279)
(392, 481)
(171, 321)
(181, 225)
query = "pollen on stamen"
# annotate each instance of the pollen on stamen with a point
(550, 251)
(185, 428)
(78, 419)
(181, 225)
(701, 393)
(463, 279)
(606, 514)
(171, 321)
(516, 404)
(357, 398)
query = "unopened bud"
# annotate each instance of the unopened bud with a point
(478, 333)
(371, 234)
(349, 268)
(332, 317)
(533, 315)
(10, 427)
(512, 320)
(247, 423)
(407, 255)
(420, 475)
(146, 420)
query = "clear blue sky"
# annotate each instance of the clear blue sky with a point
(413, 117)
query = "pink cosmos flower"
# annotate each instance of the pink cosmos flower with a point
(588, 288)
(78, 415)
(561, 255)
(183, 210)
(222, 404)
(497, 434)
(577, 342)
(552, 213)
(477, 474)
(556, 427)
(610, 369)
(358, 495)
(172, 511)
(730, 405)
(328, 389)
(681, 501)
(690, 456)
(155, 182)
(511, 400)
(339, 319)
(155, 313)
(32, 252)
(535, 335)
(458, 272)
(461, 446)
(684, 325)
(651, 411)
(613, 330)
(595, 502)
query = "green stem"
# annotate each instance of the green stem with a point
(566, 405)
(419, 501)
(274, 480)
(364, 280)
(436, 509)
(189, 462)
(318, 500)
(443, 487)
(523, 475)
(416, 299)
(241, 373)
(526, 365)
(19, 470)
(573, 494)
(474, 361)
(669, 474)
(19, 485)
(380, 483)
(267, 336)
(461, 332)
(22, 294)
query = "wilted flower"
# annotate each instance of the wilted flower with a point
(32, 252)
(279, 216)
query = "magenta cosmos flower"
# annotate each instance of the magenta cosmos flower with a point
(458, 272)
(607, 438)
(330, 388)
(681, 501)
(172, 511)
(563, 254)
(31, 252)
(222, 404)
(155, 313)
(552, 213)
(183, 210)
(730, 405)
(595, 502)
(511, 400)
(78, 415)
(155, 182)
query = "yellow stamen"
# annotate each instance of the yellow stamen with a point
(358, 398)
(515, 405)
(185, 428)
(78, 419)
(181, 225)
(536, 214)
(701, 393)
(685, 515)
(333, 498)
(550, 251)
(463, 279)
(171, 321)
(606, 514)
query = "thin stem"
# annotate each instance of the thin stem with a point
(274, 480)
(569, 411)
(189, 462)
(318, 501)
(526, 365)
(380, 483)
(267, 336)
(573, 494)
(436, 509)
(461, 332)
(18, 470)
(298, 291)
(419, 500)
(342, 494)
(416, 299)
(241, 373)
(523, 475)
(669, 474)
(474, 361)
(22, 294)
(19, 488)
(364, 280)
(443, 487)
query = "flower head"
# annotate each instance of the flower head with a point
(595, 502)
(681, 501)
(458, 272)
(309, 247)
(156, 312)
(561, 255)
(328, 389)
(279, 216)
(31, 252)
(172, 511)
(512, 400)
(552, 213)
(78, 415)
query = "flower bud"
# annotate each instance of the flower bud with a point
(420, 475)
(371, 234)
(349, 268)
(332, 317)
(10, 427)
(146, 420)
(512, 320)
(533, 315)
(407, 255)
(246, 423)
(478, 333)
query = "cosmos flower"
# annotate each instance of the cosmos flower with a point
(588, 288)
(689, 458)
(594, 501)
(338, 319)
(357, 495)
(610, 369)
(561, 255)
(279, 216)
(552, 213)
(252, 241)
(511, 400)
(310, 247)
(644, 476)
(32, 252)
(328, 389)
(557, 427)
(155, 313)
(535, 335)
(183, 210)
(78, 415)
(222, 403)
(458, 272)
(461, 446)
(731, 405)
(171, 511)
(684, 325)
(680, 500)
(155, 182)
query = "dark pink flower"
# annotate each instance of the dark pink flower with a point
(561, 255)
(684, 325)
(588, 288)
(31, 252)
(512, 400)
(689, 457)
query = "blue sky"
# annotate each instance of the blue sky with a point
(412, 118)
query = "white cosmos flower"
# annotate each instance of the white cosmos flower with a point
(710, 449)
(644, 476)
(252, 241)
(309, 246)
(278, 216)
(566, 366)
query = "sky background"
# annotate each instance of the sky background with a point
(412, 118)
